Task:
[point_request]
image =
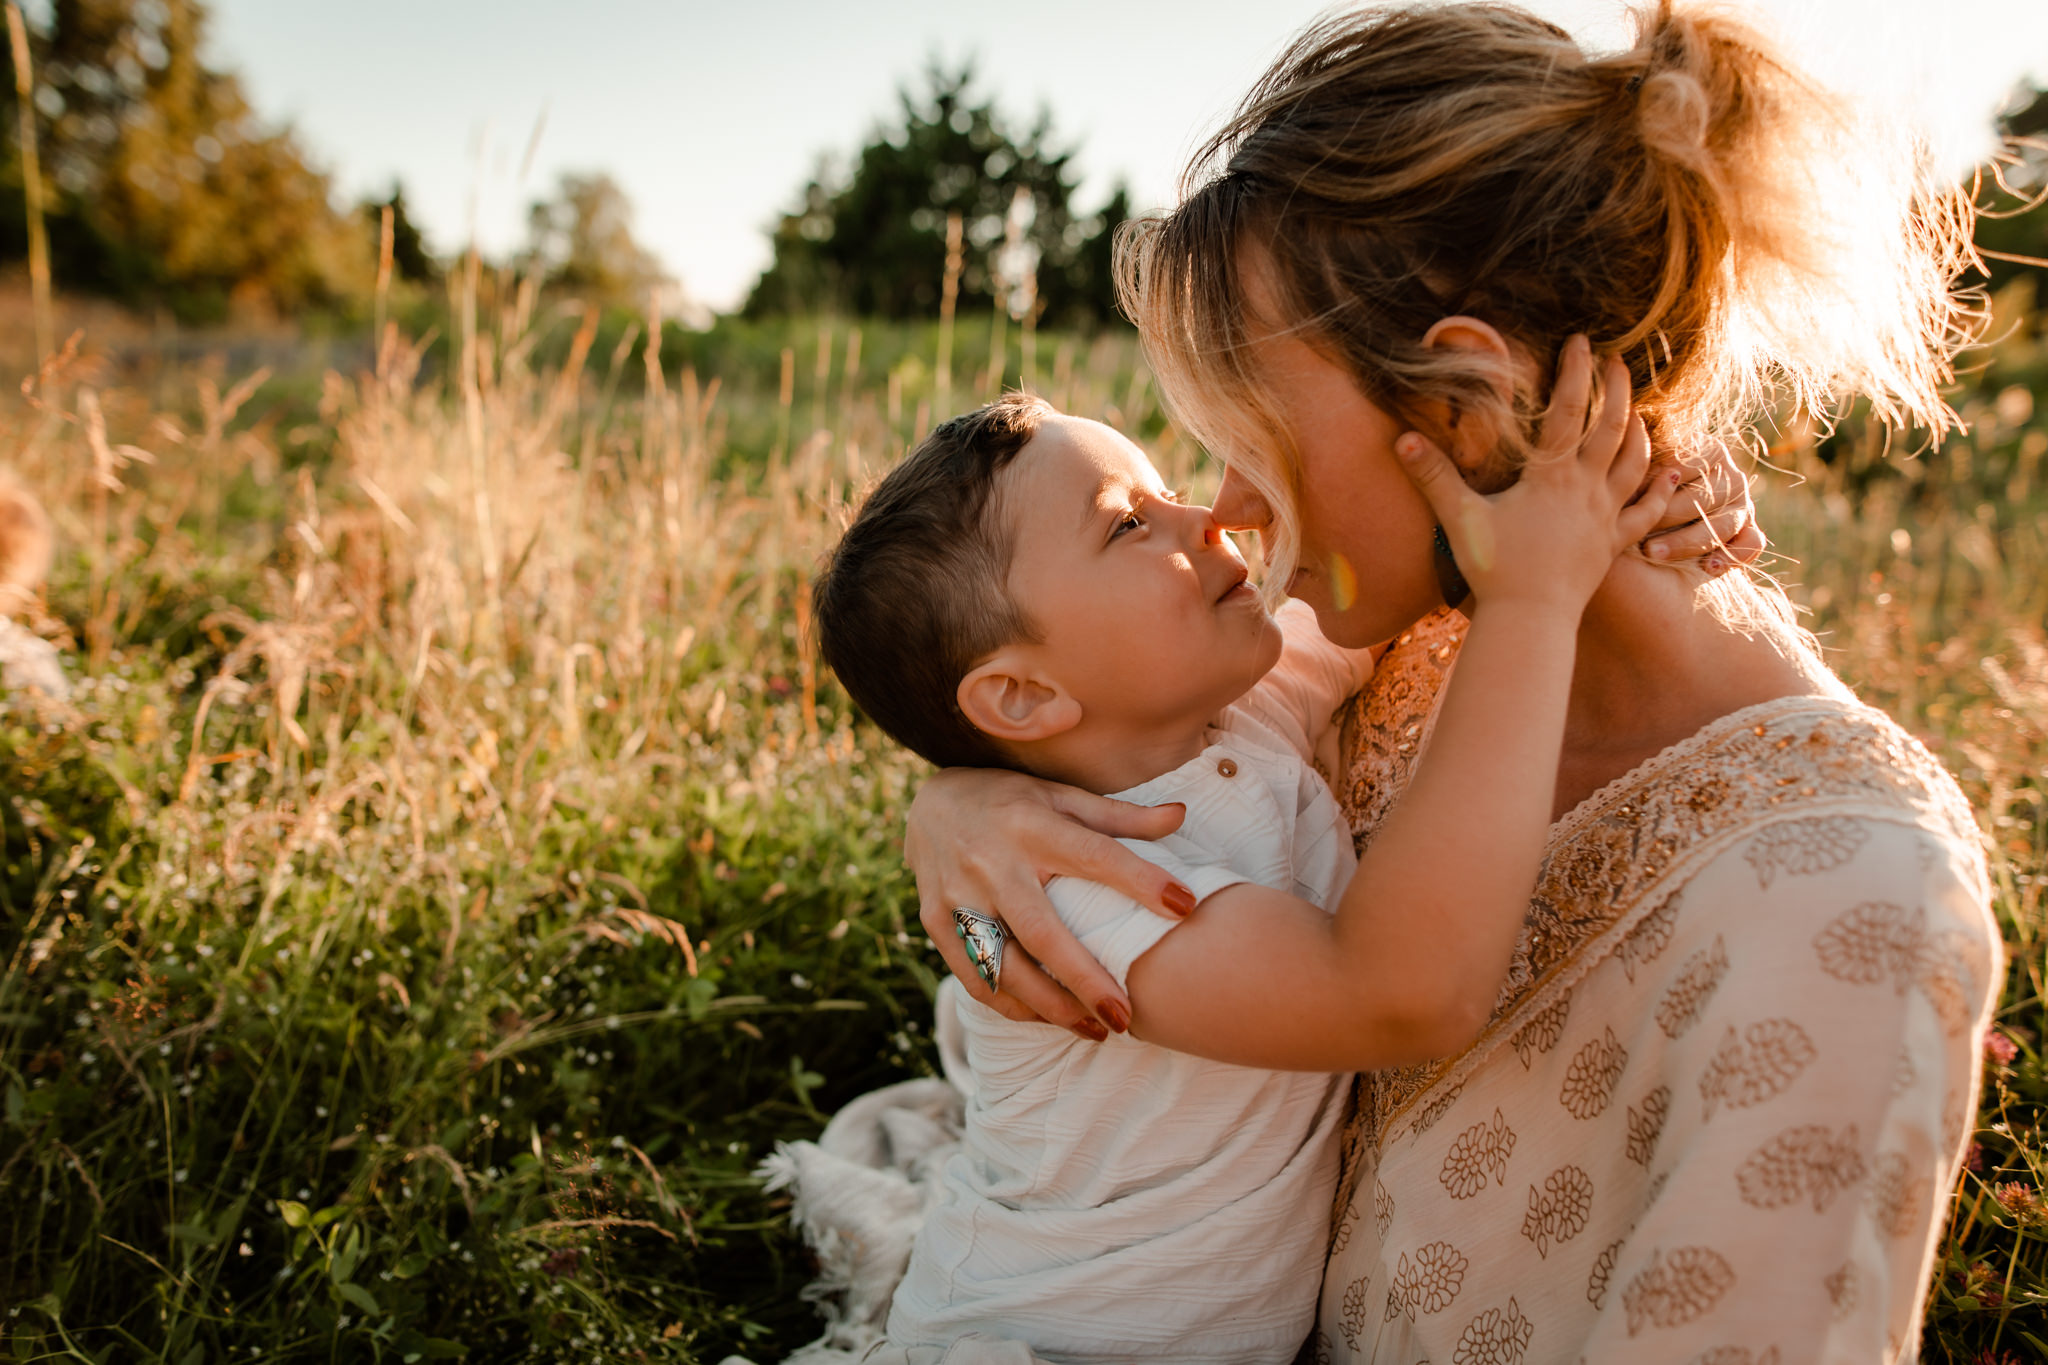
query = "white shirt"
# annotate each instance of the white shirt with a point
(1120, 1201)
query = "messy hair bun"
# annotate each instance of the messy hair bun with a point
(1694, 204)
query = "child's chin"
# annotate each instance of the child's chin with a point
(1357, 628)
(1270, 642)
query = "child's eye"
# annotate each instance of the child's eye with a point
(1129, 521)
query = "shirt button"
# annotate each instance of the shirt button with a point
(1227, 768)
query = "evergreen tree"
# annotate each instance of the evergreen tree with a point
(873, 240)
(410, 259)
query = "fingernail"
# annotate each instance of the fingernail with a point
(1179, 899)
(1659, 550)
(1115, 1015)
(1092, 1031)
(1407, 447)
(1715, 564)
(1677, 477)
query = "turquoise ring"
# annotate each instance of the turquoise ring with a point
(984, 936)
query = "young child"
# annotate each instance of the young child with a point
(1024, 592)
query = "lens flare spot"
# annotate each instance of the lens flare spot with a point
(1343, 583)
(1479, 553)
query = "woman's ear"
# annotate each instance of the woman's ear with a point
(1463, 438)
(1006, 699)
(1463, 333)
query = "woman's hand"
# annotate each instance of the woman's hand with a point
(1712, 520)
(1548, 541)
(990, 840)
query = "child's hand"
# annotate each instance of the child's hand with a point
(1548, 541)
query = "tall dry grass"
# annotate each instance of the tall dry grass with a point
(452, 871)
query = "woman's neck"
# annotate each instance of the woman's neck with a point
(1655, 665)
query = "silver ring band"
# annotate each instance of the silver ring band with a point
(984, 936)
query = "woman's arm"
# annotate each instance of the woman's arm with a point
(1818, 1087)
(990, 840)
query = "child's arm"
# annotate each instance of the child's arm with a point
(1409, 966)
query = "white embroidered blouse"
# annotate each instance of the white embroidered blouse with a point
(1725, 1091)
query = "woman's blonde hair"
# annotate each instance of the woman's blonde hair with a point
(1693, 204)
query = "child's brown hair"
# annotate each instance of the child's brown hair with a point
(915, 594)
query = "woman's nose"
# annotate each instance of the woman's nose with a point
(1238, 506)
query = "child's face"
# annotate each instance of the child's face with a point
(1143, 604)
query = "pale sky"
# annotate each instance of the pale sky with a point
(712, 114)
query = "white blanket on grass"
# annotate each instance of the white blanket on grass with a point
(861, 1191)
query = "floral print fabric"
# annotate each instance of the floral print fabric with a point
(1719, 1106)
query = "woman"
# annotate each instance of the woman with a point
(1727, 1082)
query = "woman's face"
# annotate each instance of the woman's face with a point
(1366, 563)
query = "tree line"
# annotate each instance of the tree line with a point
(163, 188)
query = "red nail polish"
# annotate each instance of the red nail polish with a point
(1179, 899)
(1092, 1031)
(1115, 1015)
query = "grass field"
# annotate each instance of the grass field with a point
(452, 873)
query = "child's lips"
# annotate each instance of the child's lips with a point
(1241, 588)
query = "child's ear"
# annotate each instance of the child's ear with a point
(1006, 699)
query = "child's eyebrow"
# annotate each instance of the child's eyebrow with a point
(1092, 506)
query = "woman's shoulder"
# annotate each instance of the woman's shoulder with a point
(1786, 763)
(1789, 789)
(1840, 830)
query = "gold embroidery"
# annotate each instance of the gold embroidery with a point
(1808, 1162)
(1542, 1033)
(1697, 981)
(1437, 1108)
(1595, 1071)
(1428, 1283)
(1603, 1271)
(1670, 1292)
(1383, 723)
(1804, 847)
(1558, 1212)
(1649, 938)
(1877, 940)
(1499, 1336)
(1480, 1151)
(1842, 1290)
(1352, 1322)
(1897, 1196)
(1904, 1073)
(1768, 1057)
(1646, 1126)
(1342, 1237)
